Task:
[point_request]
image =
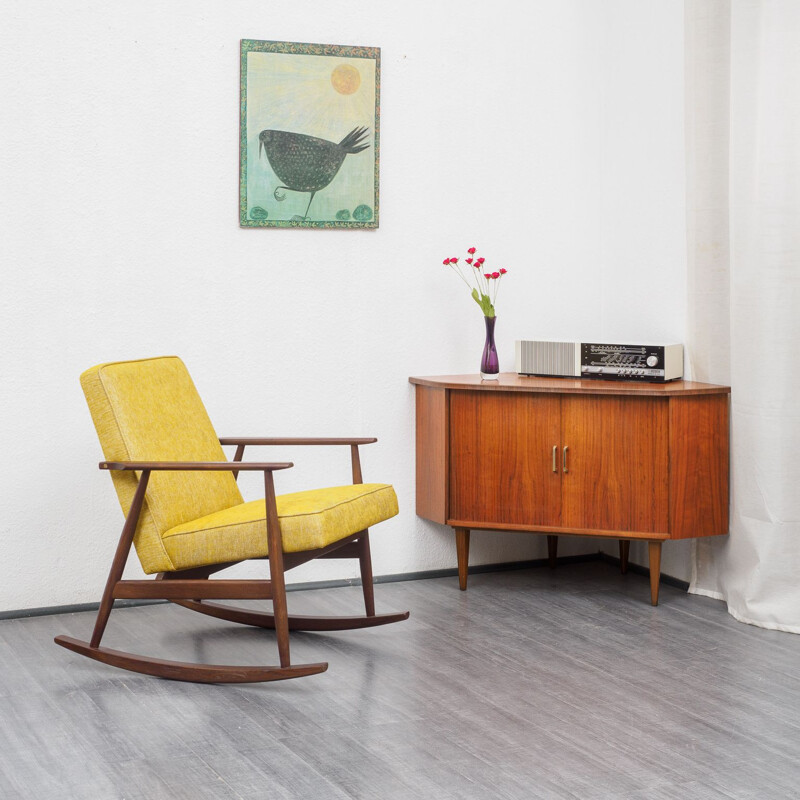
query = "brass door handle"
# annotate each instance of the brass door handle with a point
(555, 451)
(564, 459)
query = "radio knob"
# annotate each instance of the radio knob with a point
(652, 361)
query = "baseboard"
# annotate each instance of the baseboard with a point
(422, 575)
(72, 608)
(449, 572)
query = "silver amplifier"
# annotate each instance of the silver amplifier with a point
(654, 363)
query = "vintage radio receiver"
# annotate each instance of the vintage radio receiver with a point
(654, 363)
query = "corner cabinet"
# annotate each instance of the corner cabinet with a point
(579, 457)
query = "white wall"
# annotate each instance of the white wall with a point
(548, 134)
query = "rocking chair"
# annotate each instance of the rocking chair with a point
(187, 519)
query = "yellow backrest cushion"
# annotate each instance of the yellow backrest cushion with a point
(150, 410)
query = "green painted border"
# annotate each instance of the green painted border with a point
(252, 45)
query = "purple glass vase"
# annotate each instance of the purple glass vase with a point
(490, 365)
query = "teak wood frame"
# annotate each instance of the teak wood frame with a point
(191, 588)
(531, 455)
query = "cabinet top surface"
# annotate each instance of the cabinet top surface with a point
(512, 382)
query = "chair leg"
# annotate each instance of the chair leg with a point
(120, 558)
(365, 562)
(281, 613)
(276, 574)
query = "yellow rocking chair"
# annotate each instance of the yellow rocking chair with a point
(187, 519)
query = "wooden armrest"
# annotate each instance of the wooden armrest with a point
(256, 440)
(242, 442)
(202, 466)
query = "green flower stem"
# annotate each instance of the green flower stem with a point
(484, 301)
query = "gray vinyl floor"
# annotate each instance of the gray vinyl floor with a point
(532, 684)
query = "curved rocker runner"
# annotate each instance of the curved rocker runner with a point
(187, 520)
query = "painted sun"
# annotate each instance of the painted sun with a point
(345, 79)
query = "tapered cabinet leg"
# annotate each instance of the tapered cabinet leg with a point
(624, 550)
(655, 570)
(462, 551)
(552, 551)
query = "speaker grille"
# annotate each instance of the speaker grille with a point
(548, 358)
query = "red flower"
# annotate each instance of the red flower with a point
(482, 290)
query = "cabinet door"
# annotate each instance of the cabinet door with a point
(617, 475)
(431, 458)
(501, 458)
(698, 465)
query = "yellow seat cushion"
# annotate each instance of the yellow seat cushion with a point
(309, 520)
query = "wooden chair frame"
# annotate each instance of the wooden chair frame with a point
(191, 588)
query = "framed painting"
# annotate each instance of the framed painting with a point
(309, 135)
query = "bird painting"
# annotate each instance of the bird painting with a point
(305, 163)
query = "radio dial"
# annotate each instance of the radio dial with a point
(652, 361)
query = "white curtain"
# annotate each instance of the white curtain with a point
(743, 222)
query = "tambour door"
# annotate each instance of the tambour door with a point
(501, 457)
(617, 463)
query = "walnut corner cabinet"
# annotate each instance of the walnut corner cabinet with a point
(579, 457)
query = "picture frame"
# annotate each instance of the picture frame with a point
(309, 148)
